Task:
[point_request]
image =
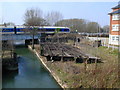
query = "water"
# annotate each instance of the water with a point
(31, 73)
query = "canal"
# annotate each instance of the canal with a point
(31, 73)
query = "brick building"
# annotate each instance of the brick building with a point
(114, 34)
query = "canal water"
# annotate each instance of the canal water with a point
(31, 73)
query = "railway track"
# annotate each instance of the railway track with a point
(60, 49)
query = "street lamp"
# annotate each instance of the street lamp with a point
(76, 37)
(76, 31)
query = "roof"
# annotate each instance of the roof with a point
(116, 7)
(53, 27)
(39, 27)
(115, 12)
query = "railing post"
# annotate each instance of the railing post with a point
(15, 31)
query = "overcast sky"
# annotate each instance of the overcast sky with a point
(93, 11)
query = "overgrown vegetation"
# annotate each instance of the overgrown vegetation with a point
(94, 75)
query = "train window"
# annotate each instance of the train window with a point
(7, 30)
(21, 30)
(3, 30)
(42, 29)
(39, 29)
(61, 29)
(50, 29)
(18, 29)
(66, 29)
(10, 29)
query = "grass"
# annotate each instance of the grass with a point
(110, 50)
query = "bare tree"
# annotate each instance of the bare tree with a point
(33, 19)
(92, 27)
(106, 28)
(73, 24)
(53, 17)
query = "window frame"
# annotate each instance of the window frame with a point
(116, 17)
(113, 38)
(117, 38)
(115, 27)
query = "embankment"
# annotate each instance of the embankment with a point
(41, 58)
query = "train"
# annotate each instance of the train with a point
(43, 29)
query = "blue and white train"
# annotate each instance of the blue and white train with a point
(43, 29)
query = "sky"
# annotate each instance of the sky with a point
(92, 11)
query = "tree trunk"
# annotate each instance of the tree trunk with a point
(33, 42)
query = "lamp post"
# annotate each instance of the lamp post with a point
(76, 31)
(76, 37)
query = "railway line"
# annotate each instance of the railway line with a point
(63, 51)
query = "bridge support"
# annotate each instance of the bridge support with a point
(27, 42)
(43, 37)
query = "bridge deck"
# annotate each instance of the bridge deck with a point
(18, 36)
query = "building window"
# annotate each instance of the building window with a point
(113, 38)
(115, 27)
(116, 17)
(117, 38)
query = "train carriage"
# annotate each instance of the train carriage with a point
(43, 29)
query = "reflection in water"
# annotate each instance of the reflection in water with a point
(31, 73)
